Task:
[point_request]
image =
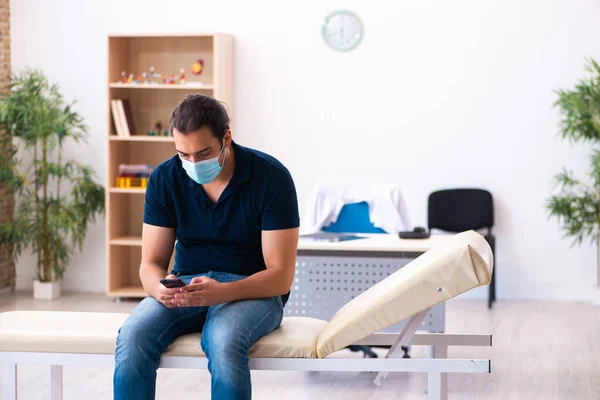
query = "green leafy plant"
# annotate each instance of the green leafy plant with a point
(55, 199)
(577, 204)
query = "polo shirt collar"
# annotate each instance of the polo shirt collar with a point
(242, 170)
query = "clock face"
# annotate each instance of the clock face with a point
(342, 30)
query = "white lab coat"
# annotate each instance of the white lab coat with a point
(387, 209)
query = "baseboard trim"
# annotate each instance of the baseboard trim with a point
(24, 283)
(6, 290)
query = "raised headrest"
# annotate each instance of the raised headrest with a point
(461, 263)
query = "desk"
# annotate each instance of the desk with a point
(330, 274)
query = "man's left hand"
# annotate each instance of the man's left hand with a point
(201, 292)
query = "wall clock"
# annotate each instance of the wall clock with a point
(342, 30)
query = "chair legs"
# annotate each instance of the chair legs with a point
(491, 239)
(492, 291)
(368, 353)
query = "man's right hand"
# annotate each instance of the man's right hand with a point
(166, 295)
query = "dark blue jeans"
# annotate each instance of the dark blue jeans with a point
(228, 332)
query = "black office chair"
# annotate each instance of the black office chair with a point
(458, 210)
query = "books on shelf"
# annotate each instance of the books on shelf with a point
(122, 117)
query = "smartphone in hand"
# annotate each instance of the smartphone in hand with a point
(172, 283)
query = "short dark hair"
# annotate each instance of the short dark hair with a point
(196, 111)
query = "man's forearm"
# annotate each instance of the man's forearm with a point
(151, 274)
(267, 283)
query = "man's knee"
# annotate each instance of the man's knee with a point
(132, 334)
(135, 339)
(137, 334)
(222, 343)
(227, 359)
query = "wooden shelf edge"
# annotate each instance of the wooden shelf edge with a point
(127, 190)
(127, 291)
(142, 138)
(187, 86)
(127, 241)
(125, 35)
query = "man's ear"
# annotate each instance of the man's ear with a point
(227, 138)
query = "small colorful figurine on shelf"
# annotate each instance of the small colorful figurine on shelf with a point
(151, 75)
(156, 130)
(197, 67)
(156, 77)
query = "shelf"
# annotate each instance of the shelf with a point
(187, 86)
(208, 35)
(127, 241)
(128, 291)
(149, 104)
(127, 190)
(142, 138)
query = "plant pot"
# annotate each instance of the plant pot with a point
(46, 290)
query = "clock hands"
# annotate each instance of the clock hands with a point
(342, 30)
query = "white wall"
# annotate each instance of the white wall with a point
(439, 94)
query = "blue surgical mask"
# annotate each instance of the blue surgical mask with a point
(205, 171)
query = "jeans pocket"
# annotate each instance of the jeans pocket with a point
(187, 279)
(279, 301)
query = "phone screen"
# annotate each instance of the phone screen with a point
(172, 283)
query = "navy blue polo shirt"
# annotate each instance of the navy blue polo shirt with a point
(226, 236)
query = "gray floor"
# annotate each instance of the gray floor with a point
(541, 351)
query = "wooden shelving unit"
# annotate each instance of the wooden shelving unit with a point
(151, 103)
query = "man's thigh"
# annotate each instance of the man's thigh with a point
(151, 320)
(240, 323)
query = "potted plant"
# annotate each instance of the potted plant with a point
(576, 205)
(55, 199)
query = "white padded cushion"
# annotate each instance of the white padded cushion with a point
(60, 331)
(296, 337)
(462, 262)
(96, 333)
(457, 265)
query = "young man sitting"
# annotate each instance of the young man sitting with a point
(232, 215)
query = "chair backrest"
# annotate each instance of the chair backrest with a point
(353, 218)
(458, 210)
